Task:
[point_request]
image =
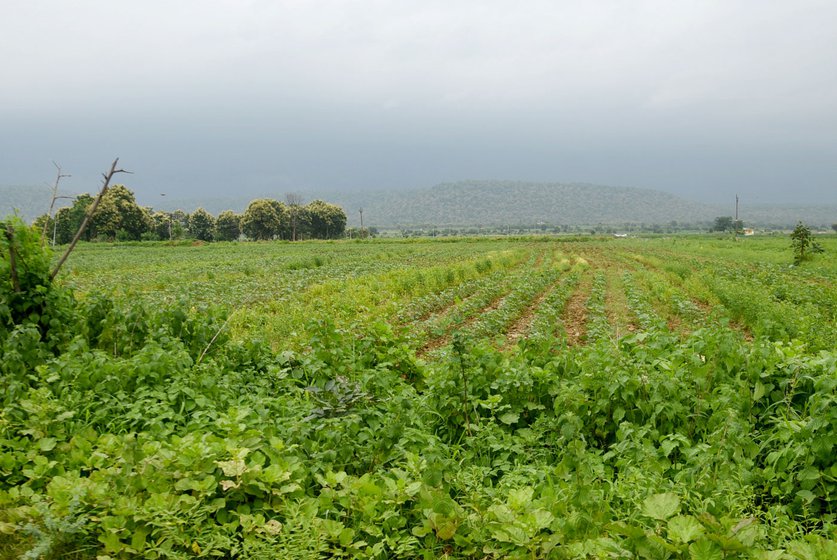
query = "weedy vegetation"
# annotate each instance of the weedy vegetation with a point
(394, 399)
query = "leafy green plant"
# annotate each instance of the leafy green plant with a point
(803, 244)
(146, 424)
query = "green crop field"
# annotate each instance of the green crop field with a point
(467, 398)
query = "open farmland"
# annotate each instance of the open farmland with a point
(498, 291)
(477, 398)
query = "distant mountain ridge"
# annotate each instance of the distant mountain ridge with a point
(497, 203)
(27, 201)
(486, 203)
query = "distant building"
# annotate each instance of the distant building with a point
(620, 235)
(749, 231)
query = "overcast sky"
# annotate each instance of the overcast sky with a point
(229, 97)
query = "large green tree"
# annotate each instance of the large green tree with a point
(727, 223)
(68, 219)
(262, 219)
(297, 216)
(284, 214)
(119, 214)
(803, 244)
(227, 226)
(161, 225)
(201, 225)
(325, 221)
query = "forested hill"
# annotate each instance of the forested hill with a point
(28, 202)
(498, 203)
(492, 203)
(486, 203)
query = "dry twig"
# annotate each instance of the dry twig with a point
(89, 214)
(58, 177)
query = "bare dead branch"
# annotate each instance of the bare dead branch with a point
(58, 177)
(211, 342)
(294, 201)
(89, 214)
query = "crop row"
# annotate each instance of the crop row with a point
(421, 307)
(598, 327)
(547, 323)
(639, 304)
(134, 430)
(497, 320)
(489, 291)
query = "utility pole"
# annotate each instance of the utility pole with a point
(169, 220)
(735, 223)
(361, 222)
(294, 202)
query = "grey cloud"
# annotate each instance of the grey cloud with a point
(697, 98)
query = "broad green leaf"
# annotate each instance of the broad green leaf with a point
(274, 474)
(421, 530)
(236, 467)
(347, 535)
(684, 529)
(502, 513)
(661, 506)
(446, 529)
(769, 554)
(331, 527)
(668, 446)
(111, 541)
(705, 550)
(184, 484)
(412, 488)
(807, 495)
(542, 518)
(809, 473)
(47, 444)
(521, 498)
(509, 418)
(138, 538)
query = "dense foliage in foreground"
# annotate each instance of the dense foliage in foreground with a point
(130, 431)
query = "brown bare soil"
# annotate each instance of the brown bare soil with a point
(704, 307)
(745, 332)
(538, 260)
(706, 310)
(434, 312)
(436, 343)
(575, 313)
(432, 345)
(520, 328)
(616, 306)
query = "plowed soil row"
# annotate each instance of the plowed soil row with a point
(520, 327)
(616, 305)
(436, 343)
(575, 313)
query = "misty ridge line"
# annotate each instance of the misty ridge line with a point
(488, 203)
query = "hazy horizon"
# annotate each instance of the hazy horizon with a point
(702, 100)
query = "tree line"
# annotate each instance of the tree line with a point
(119, 218)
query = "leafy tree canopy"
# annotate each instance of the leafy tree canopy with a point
(201, 225)
(803, 244)
(263, 219)
(227, 226)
